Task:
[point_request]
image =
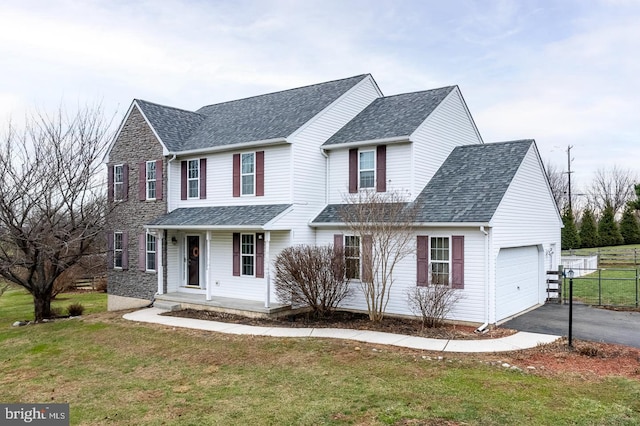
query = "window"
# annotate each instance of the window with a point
(247, 253)
(193, 178)
(440, 260)
(151, 180)
(118, 249)
(151, 252)
(118, 182)
(367, 166)
(352, 256)
(248, 173)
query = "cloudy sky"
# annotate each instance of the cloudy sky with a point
(560, 72)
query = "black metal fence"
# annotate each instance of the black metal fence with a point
(616, 287)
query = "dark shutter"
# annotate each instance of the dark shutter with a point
(125, 250)
(142, 252)
(183, 180)
(367, 258)
(142, 181)
(125, 182)
(353, 170)
(457, 262)
(159, 181)
(109, 249)
(381, 168)
(203, 178)
(236, 254)
(236, 175)
(339, 264)
(260, 255)
(260, 173)
(423, 260)
(110, 185)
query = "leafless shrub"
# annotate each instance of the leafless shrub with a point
(384, 222)
(312, 276)
(432, 303)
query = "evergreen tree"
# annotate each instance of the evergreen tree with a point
(570, 237)
(608, 228)
(635, 204)
(589, 230)
(629, 227)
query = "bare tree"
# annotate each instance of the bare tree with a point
(613, 186)
(383, 223)
(432, 303)
(52, 204)
(558, 182)
(312, 276)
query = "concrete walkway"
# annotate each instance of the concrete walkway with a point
(518, 341)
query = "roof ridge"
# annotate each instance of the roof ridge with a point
(167, 106)
(283, 91)
(419, 91)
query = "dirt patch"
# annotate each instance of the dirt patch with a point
(351, 320)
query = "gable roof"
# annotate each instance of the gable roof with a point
(265, 117)
(467, 188)
(172, 125)
(472, 181)
(391, 116)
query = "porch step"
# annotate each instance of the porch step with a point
(167, 305)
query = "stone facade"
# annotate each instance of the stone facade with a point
(136, 143)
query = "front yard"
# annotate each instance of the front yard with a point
(112, 371)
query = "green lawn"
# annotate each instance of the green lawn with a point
(112, 371)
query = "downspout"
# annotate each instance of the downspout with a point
(326, 175)
(483, 327)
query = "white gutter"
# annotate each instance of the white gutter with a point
(231, 147)
(416, 224)
(381, 141)
(483, 327)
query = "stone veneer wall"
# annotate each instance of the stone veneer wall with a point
(136, 143)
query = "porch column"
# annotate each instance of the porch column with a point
(267, 263)
(207, 278)
(160, 260)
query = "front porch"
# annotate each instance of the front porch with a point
(247, 308)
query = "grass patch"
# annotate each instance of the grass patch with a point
(112, 371)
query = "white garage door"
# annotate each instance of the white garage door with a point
(516, 280)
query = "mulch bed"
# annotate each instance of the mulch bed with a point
(350, 320)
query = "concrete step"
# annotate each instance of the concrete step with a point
(167, 305)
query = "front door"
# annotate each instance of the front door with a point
(193, 256)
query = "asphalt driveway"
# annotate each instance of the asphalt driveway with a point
(595, 324)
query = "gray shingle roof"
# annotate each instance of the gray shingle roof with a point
(173, 125)
(270, 116)
(391, 116)
(220, 216)
(471, 182)
(467, 188)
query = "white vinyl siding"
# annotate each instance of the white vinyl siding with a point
(470, 307)
(277, 172)
(448, 126)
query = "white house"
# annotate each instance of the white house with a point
(219, 192)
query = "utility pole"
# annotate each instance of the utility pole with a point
(569, 174)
